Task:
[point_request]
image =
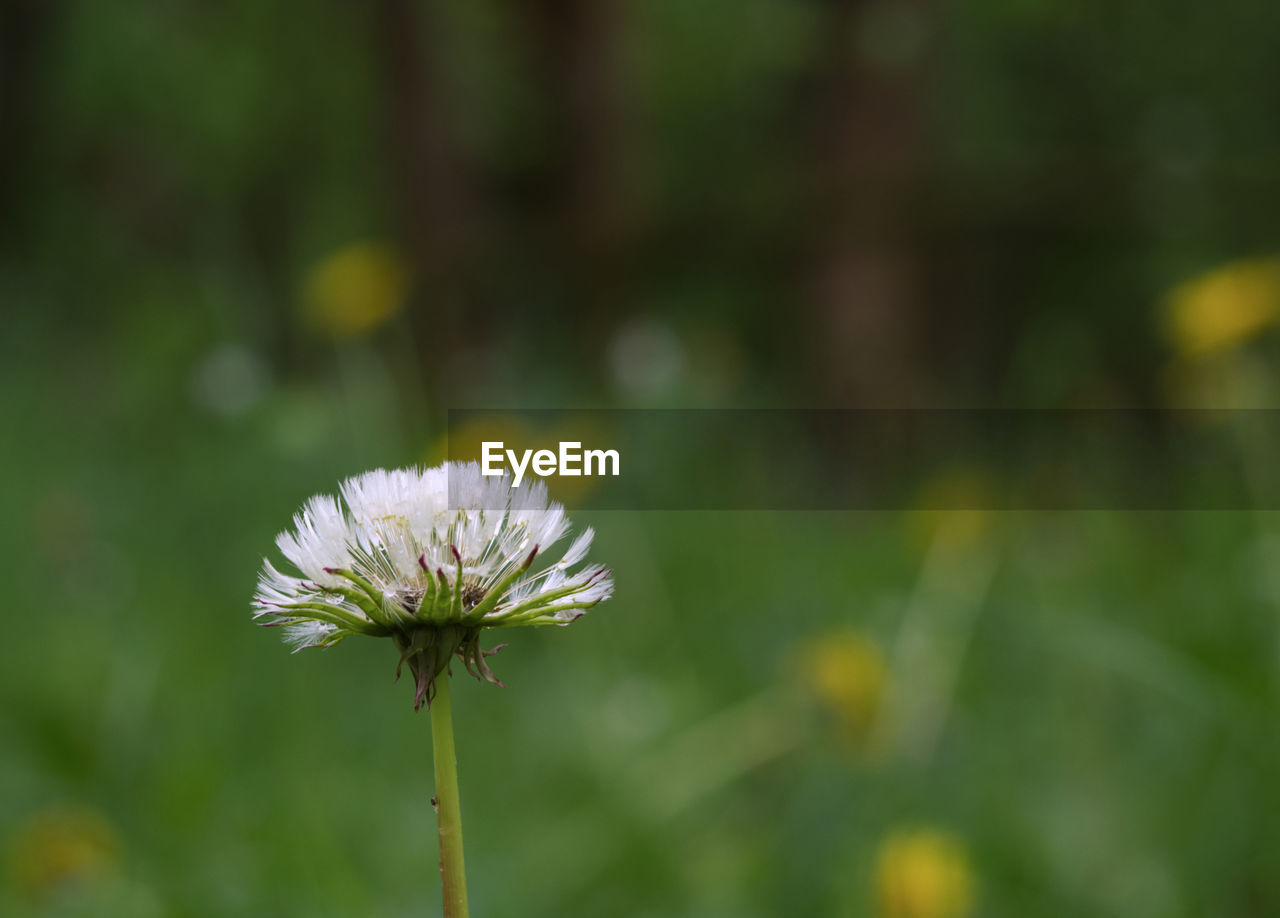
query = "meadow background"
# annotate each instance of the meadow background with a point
(250, 248)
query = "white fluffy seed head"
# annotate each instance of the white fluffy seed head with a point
(413, 547)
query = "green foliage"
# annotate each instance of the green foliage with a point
(1104, 741)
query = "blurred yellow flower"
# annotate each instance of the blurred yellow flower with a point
(924, 873)
(61, 846)
(847, 673)
(1224, 307)
(952, 507)
(356, 289)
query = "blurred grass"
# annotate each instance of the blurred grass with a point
(1078, 708)
(1106, 746)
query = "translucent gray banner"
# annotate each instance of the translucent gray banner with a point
(882, 459)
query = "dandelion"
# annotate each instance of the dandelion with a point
(924, 873)
(429, 559)
(62, 847)
(357, 289)
(1224, 308)
(847, 673)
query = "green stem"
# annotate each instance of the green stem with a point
(448, 811)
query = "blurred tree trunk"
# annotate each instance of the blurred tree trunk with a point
(863, 272)
(574, 48)
(24, 29)
(430, 180)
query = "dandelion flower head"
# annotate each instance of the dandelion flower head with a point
(429, 558)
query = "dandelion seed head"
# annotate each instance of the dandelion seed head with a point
(430, 558)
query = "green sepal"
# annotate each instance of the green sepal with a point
(541, 615)
(542, 599)
(362, 602)
(472, 655)
(494, 596)
(427, 650)
(336, 638)
(334, 615)
(444, 599)
(368, 598)
(430, 592)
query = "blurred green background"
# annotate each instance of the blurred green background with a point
(251, 248)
